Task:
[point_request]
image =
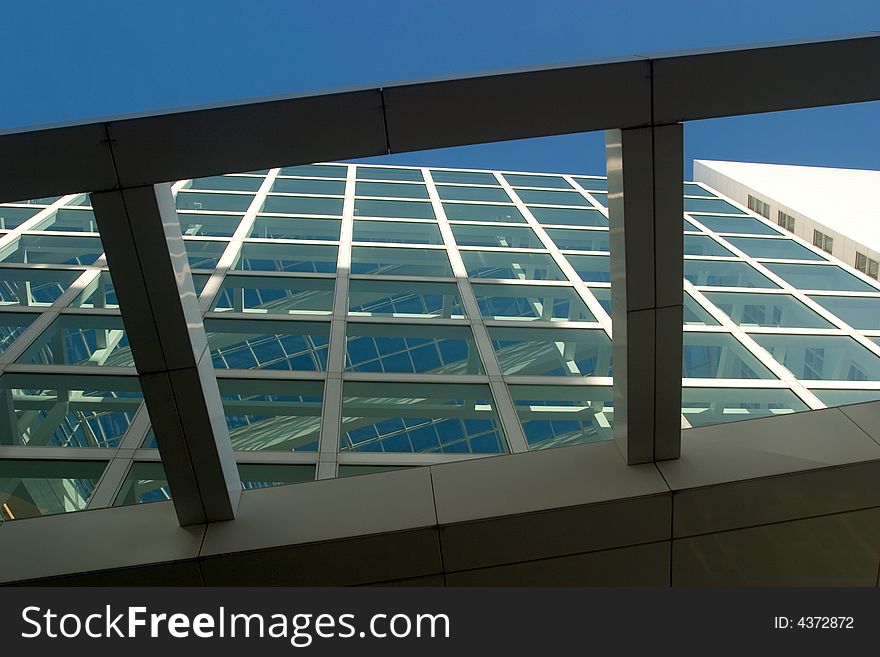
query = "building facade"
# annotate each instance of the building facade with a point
(370, 318)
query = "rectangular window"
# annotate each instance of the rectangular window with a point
(866, 265)
(786, 221)
(759, 206)
(823, 241)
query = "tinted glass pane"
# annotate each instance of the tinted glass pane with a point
(232, 183)
(521, 237)
(474, 212)
(204, 254)
(724, 274)
(540, 197)
(11, 217)
(691, 189)
(464, 177)
(531, 302)
(11, 326)
(403, 232)
(692, 314)
(33, 287)
(702, 245)
(859, 312)
(556, 416)
(208, 225)
(308, 186)
(591, 269)
(719, 356)
(743, 225)
(420, 417)
(244, 344)
(287, 257)
(552, 352)
(579, 240)
(55, 250)
(398, 190)
(296, 228)
(710, 205)
(525, 180)
(569, 217)
(389, 173)
(32, 488)
(704, 406)
(404, 299)
(275, 295)
(317, 170)
(508, 264)
(393, 209)
(79, 220)
(411, 349)
(187, 200)
(89, 340)
(758, 247)
(766, 310)
(842, 397)
(819, 277)
(601, 198)
(69, 410)
(459, 193)
(399, 262)
(593, 184)
(823, 357)
(302, 205)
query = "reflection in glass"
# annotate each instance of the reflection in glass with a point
(753, 309)
(32, 488)
(705, 406)
(742, 225)
(765, 247)
(301, 205)
(381, 261)
(859, 312)
(242, 344)
(33, 287)
(527, 180)
(419, 417)
(207, 224)
(295, 228)
(187, 200)
(483, 212)
(400, 232)
(569, 217)
(287, 257)
(531, 303)
(511, 265)
(275, 295)
(591, 268)
(579, 240)
(55, 250)
(725, 273)
(719, 356)
(819, 277)
(404, 299)
(552, 352)
(823, 357)
(390, 189)
(90, 340)
(556, 416)
(518, 237)
(393, 209)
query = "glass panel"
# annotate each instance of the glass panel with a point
(228, 183)
(710, 205)
(692, 189)
(474, 212)
(277, 416)
(287, 257)
(758, 247)
(419, 418)
(308, 186)
(302, 205)
(100, 293)
(580, 240)
(187, 200)
(246, 344)
(459, 193)
(267, 475)
(705, 406)
(296, 228)
(393, 209)
(31, 488)
(540, 197)
(552, 352)
(719, 356)
(525, 180)
(356, 470)
(591, 269)
(843, 397)
(743, 225)
(403, 232)
(822, 357)
(275, 295)
(512, 265)
(68, 410)
(464, 177)
(703, 245)
(556, 416)
(204, 254)
(55, 250)
(12, 217)
(91, 340)
(404, 299)
(210, 225)
(767, 310)
(144, 483)
(569, 217)
(722, 273)
(394, 190)
(859, 312)
(377, 260)
(411, 349)
(531, 302)
(33, 287)
(388, 173)
(316, 170)
(819, 277)
(70, 220)
(520, 237)
(593, 184)
(689, 226)
(694, 313)
(12, 325)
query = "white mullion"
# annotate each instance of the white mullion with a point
(506, 408)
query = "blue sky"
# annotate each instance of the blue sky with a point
(68, 61)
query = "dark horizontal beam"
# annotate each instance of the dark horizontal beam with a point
(619, 93)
